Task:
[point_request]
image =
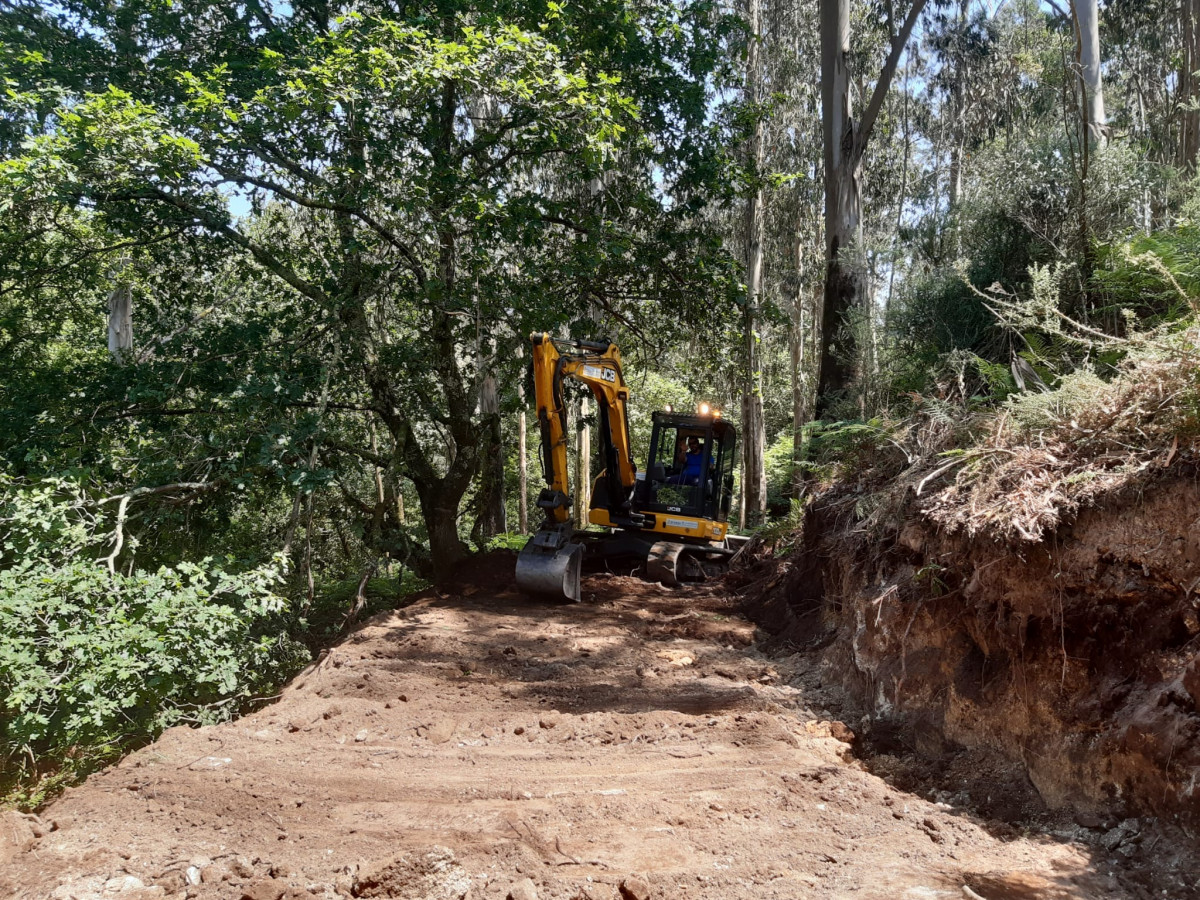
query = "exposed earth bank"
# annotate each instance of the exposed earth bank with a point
(1073, 661)
(479, 744)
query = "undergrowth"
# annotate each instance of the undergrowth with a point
(95, 661)
(1081, 414)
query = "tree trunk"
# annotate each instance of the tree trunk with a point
(380, 493)
(753, 430)
(844, 144)
(491, 520)
(439, 509)
(959, 119)
(120, 318)
(843, 289)
(583, 490)
(1189, 89)
(522, 469)
(796, 339)
(742, 493)
(1087, 26)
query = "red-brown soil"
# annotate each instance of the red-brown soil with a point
(1071, 664)
(481, 744)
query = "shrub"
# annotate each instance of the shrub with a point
(94, 661)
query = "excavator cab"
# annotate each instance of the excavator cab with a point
(690, 468)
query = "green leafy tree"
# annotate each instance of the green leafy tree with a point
(422, 189)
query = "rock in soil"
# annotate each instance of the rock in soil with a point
(433, 876)
(523, 890)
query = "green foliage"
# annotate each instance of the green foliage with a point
(509, 540)
(422, 187)
(335, 606)
(1155, 277)
(653, 391)
(780, 465)
(783, 533)
(996, 376)
(94, 661)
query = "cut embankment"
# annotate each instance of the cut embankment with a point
(1074, 657)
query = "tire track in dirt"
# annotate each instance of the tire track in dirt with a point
(477, 739)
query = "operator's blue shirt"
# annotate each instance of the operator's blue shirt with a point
(693, 467)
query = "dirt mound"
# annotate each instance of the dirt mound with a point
(435, 876)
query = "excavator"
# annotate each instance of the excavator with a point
(668, 519)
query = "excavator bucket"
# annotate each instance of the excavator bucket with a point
(549, 566)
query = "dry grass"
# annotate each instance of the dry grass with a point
(1043, 457)
(1020, 471)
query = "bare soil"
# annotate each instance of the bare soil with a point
(1072, 664)
(480, 744)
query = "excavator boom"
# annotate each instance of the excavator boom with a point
(551, 561)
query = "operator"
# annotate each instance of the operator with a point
(693, 462)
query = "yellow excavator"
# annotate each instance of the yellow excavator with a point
(669, 518)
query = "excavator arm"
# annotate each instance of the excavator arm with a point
(598, 365)
(550, 563)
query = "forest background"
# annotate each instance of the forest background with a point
(268, 272)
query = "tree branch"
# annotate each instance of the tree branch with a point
(206, 218)
(559, 220)
(123, 509)
(387, 234)
(884, 84)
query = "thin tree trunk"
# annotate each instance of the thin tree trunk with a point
(491, 521)
(1087, 25)
(120, 317)
(1189, 89)
(753, 427)
(380, 493)
(522, 464)
(887, 303)
(796, 341)
(959, 118)
(742, 493)
(583, 491)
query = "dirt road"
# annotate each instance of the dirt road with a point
(480, 744)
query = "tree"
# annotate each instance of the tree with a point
(412, 186)
(845, 142)
(754, 476)
(1087, 33)
(1189, 83)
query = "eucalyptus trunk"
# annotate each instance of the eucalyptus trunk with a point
(796, 343)
(843, 202)
(845, 141)
(958, 141)
(753, 427)
(1087, 29)
(1189, 88)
